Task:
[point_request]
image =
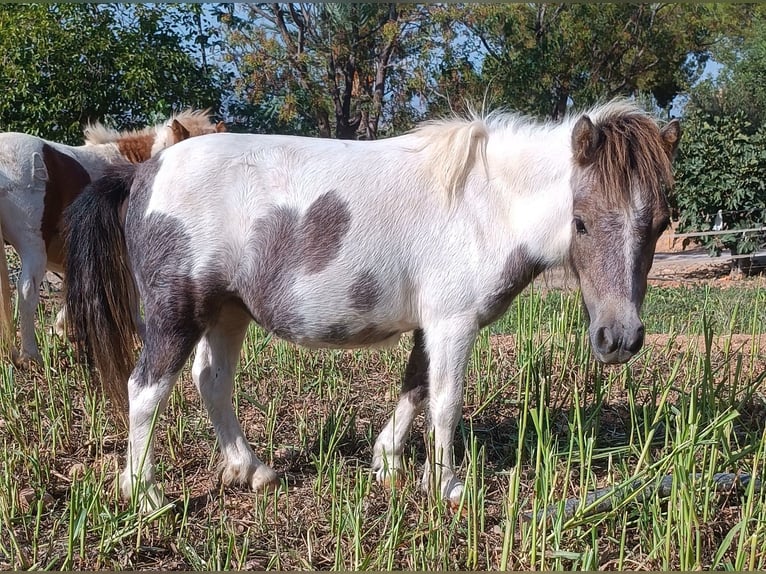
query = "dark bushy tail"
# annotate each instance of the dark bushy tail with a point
(100, 289)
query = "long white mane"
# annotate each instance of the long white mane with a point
(454, 145)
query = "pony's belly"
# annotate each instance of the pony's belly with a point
(352, 343)
(338, 335)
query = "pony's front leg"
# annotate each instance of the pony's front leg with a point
(387, 453)
(148, 398)
(33, 260)
(215, 362)
(448, 344)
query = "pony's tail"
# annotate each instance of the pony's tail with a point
(7, 332)
(100, 289)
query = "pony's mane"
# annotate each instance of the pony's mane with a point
(631, 153)
(454, 145)
(195, 121)
(630, 138)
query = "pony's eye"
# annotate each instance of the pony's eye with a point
(580, 226)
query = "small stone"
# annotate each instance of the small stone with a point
(76, 470)
(28, 497)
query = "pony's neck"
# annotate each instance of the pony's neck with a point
(531, 167)
(138, 147)
(133, 146)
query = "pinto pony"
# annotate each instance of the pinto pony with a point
(343, 244)
(39, 179)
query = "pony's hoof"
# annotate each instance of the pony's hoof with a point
(264, 479)
(453, 493)
(390, 477)
(26, 360)
(152, 500)
(148, 499)
(450, 489)
(258, 476)
(387, 468)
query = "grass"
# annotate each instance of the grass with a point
(542, 423)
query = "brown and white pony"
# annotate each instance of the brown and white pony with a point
(39, 179)
(330, 243)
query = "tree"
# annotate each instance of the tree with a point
(67, 64)
(739, 86)
(720, 167)
(324, 69)
(541, 58)
(722, 159)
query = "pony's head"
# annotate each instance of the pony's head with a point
(187, 124)
(621, 175)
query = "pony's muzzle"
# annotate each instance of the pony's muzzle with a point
(617, 343)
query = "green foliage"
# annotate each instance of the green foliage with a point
(721, 166)
(738, 87)
(340, 70)
(66, 64)
(542, 57)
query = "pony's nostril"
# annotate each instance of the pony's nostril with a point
(605, 341)
(635, 343)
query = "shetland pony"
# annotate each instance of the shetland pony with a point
(331, 243)
(39, 179)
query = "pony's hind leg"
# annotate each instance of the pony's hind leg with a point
(387, 453)
(167, 346)
(215, 362)
(59, 327)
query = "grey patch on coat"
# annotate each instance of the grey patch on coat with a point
(519, 269)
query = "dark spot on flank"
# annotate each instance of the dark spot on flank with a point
(324, 225)
(364, 292)
(284, 244)
(275, 247)
(66, 179)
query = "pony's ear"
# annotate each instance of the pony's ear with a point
(585, 140)
(220, 127)
(671, 136)
(180, 133)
